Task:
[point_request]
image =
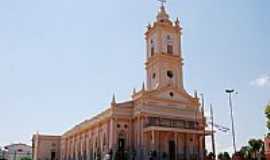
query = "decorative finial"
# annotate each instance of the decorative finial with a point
(162, 14)
(177, 22)
(162, 2)
(113, 99)
(195, 94)
(134, 91)
(149, 26)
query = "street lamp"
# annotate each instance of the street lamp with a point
(230, 91)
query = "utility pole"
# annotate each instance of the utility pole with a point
(212, 131)
(15, 155)
(204, 125)
(230, 91)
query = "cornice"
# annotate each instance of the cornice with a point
(159, 57)
(158, 26)
(88, 124)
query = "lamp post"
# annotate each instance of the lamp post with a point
(229, 92)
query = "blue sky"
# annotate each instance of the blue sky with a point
(61, 61)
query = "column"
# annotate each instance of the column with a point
(176, 145)
(142, 132)
(108, 136)
(201, 147)
(112, 133)
(185, 146)
(115, 133)
(36, 146)
(159, 150)
(141, 155)
(153, 140)
(130, 133)
(198, 146)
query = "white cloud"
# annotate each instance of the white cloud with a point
(262, 81)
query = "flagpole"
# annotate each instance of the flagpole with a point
(212, 132)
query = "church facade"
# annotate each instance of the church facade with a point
(161, 121)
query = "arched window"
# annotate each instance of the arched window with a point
(152, 48)
(170, 49)
(104, 140)
(169, 45)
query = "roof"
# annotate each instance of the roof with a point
(17, 144)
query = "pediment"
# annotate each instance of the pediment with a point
(173, 94)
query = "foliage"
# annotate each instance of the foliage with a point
(267, 114)
(256, 146)
(211, 156)
(267, 111)
(245, 152)
(26, 158)
(224, 156)
(253, 150)
(238, 156)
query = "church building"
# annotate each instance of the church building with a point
(160, 121)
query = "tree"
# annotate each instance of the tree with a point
(224, 156)
(245, 152)
(267, 114)
(255, 147)
(220, 156)
(238, 156)
(210, 156)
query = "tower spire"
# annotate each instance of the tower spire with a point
(162, 14)
(113, 99)
(162, 2)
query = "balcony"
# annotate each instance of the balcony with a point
(172, 123)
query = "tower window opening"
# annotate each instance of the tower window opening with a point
(104, 140)
(170, 74)
(152, 51)
(169, 45)
(169, 49)
(152, 48)
(154, 75)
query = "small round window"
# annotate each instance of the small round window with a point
(170, 74)
(171, 94)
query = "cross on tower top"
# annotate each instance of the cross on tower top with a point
(162, 2)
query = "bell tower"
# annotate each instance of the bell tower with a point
(164, 58)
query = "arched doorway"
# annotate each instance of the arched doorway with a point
(171, 150)
(171, 146)
(121, 143)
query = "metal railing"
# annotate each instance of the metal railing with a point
(172, 123)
